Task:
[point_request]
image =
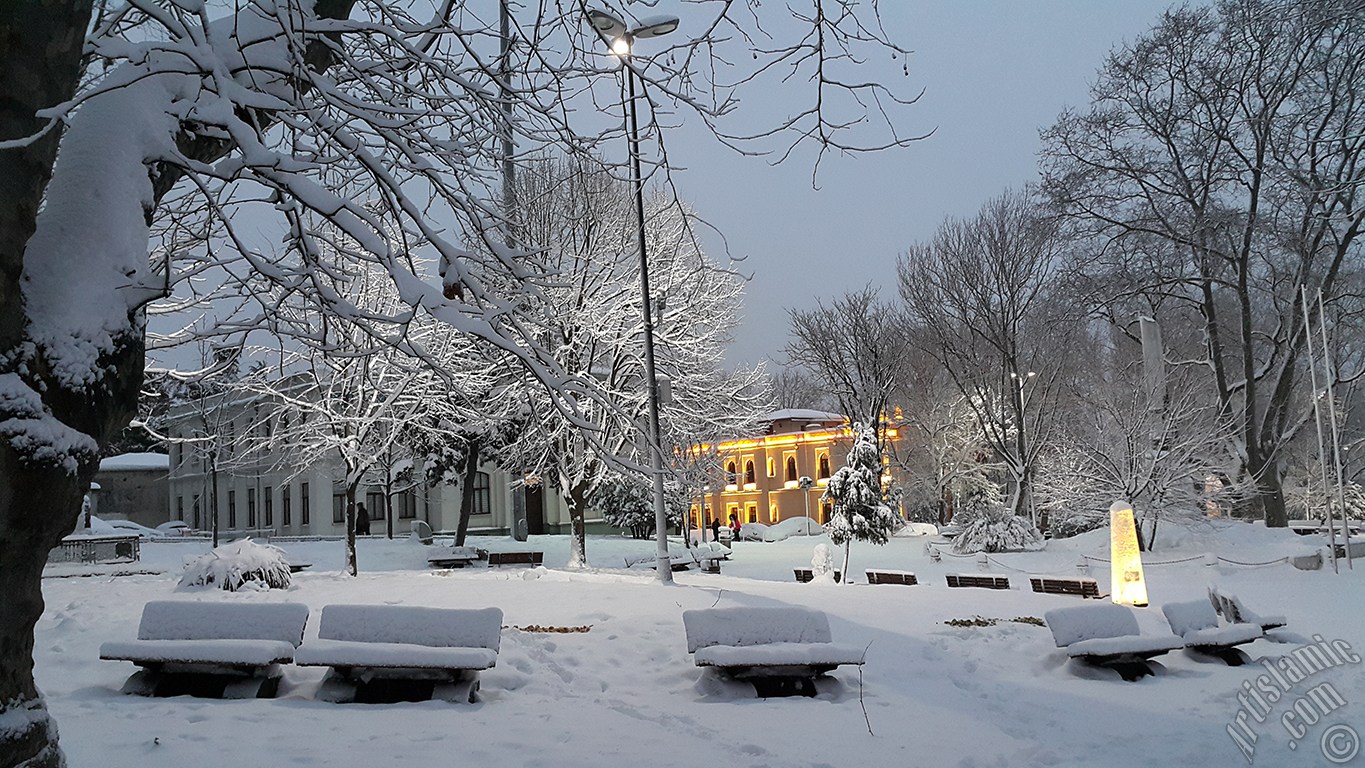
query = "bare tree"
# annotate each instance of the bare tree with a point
(577, 215)
(856, 348)
(794, 387)
(1171, 463)
(983, 300)
(1218, 168)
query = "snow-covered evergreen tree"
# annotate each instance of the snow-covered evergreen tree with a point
(627, 502)
(988, 525)
(855, 491)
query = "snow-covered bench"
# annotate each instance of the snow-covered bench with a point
(402, 652)
(229, 649)
(977, 580)
(806, 575)
(453, 557)
(516, 558)
(780, 651)
(891, 577)
(1196, 623)
(705, 556)
(1107, 635)
(1065, 585)
(1235, 611)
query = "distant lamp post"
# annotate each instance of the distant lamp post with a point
(805, 484)
(1019, 440)
(622, 41)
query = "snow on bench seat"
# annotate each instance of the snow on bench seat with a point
(1107, 635)
(196, 647)
(231, 653)
(364, 643)
(780, 650)
(1196, 623)
(779, 654)
(192, 631)
(350, 653)
(1128, 645)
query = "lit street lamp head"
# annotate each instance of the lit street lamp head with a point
(620, 38)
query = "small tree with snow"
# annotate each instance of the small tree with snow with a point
(990, 526)
(855, 491)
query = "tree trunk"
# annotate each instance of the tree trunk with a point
(471, 470)
(578, 529)
(848, 549)
(351, 565)
(1269, 493)
(35, 512)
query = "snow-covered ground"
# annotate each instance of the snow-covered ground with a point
(624, 694)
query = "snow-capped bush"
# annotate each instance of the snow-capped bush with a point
(239, 564)
(989, 528)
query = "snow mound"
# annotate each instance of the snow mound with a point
(793, 526)
(917, 529)
(241, 564)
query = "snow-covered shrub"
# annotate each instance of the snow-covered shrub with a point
(1065, 523)
(239, 564)
(990, 527)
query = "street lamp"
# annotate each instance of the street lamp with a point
(622, 40)
(1022, 379)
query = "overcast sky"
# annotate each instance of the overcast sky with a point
(994, 73)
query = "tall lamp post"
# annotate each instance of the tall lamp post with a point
(1021, 380)
(622, 40)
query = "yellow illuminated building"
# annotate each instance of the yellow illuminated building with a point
(759, 479)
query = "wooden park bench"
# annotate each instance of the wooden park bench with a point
(1065, 585)
(780, 651)
(1107, 635)
(978, 580)
(806, 575)
(381, 653)
(1196, 623)
(453, 557)
(891, 577)
(516, 558)
(214, 649)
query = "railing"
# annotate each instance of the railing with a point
(97, 549)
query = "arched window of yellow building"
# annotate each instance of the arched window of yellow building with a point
(824, 465)
(791, 469)
(749, 478)
(731, 475)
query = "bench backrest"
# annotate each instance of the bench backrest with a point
(196, 620)
(1087, 622)
(754, 626)
(417, 625)
(1190, 616)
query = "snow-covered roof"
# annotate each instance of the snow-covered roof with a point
(128, 461)
(803, 414)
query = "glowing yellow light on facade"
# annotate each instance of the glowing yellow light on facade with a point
(1126, 584)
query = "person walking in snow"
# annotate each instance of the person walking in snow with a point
(715, 529)
(362, 520)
